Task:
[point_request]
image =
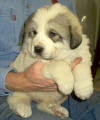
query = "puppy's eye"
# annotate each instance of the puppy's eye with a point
(52, 34)
(35, 32)
(32, 33)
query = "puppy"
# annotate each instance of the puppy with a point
(54, 36)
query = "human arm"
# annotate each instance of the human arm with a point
(29, 80)
(32, 79)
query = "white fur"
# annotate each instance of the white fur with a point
(58, 57)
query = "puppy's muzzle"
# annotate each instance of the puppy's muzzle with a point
(38, 49)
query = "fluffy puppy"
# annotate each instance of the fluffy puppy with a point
(53, 35)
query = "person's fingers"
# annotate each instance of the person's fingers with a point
(46, 80)
(50, 88)
(38, 65)
(76, 61)
(48, 84)
(47, 88)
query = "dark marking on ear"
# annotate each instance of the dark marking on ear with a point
(25, 28)
(22, 35)
(75, 38)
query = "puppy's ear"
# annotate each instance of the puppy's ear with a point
(75, 28)
(25, 28)
(75, 36)
(22, 35)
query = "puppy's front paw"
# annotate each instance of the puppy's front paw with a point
(61, 73)
(83, 92)
(65, 81)
(22, 110)
(66, 88)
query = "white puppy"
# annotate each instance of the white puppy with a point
(53, 35)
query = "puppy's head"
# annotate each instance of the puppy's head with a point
(51, 29)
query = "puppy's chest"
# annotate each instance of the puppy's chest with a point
(23, 61)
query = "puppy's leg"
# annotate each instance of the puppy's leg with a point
(83, 85)
(54, 109)
(60, 72)
(20, 104)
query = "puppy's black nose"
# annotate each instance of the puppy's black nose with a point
(38, 49)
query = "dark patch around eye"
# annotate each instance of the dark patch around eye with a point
(54, 36)
(32, 33)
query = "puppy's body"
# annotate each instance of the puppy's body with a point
(53, 35)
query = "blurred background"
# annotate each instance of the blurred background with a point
(88, 12)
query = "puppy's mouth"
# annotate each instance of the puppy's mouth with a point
(43, 56)
(39, 53)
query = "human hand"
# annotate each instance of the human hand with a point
(75, 62)
(34, 75)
